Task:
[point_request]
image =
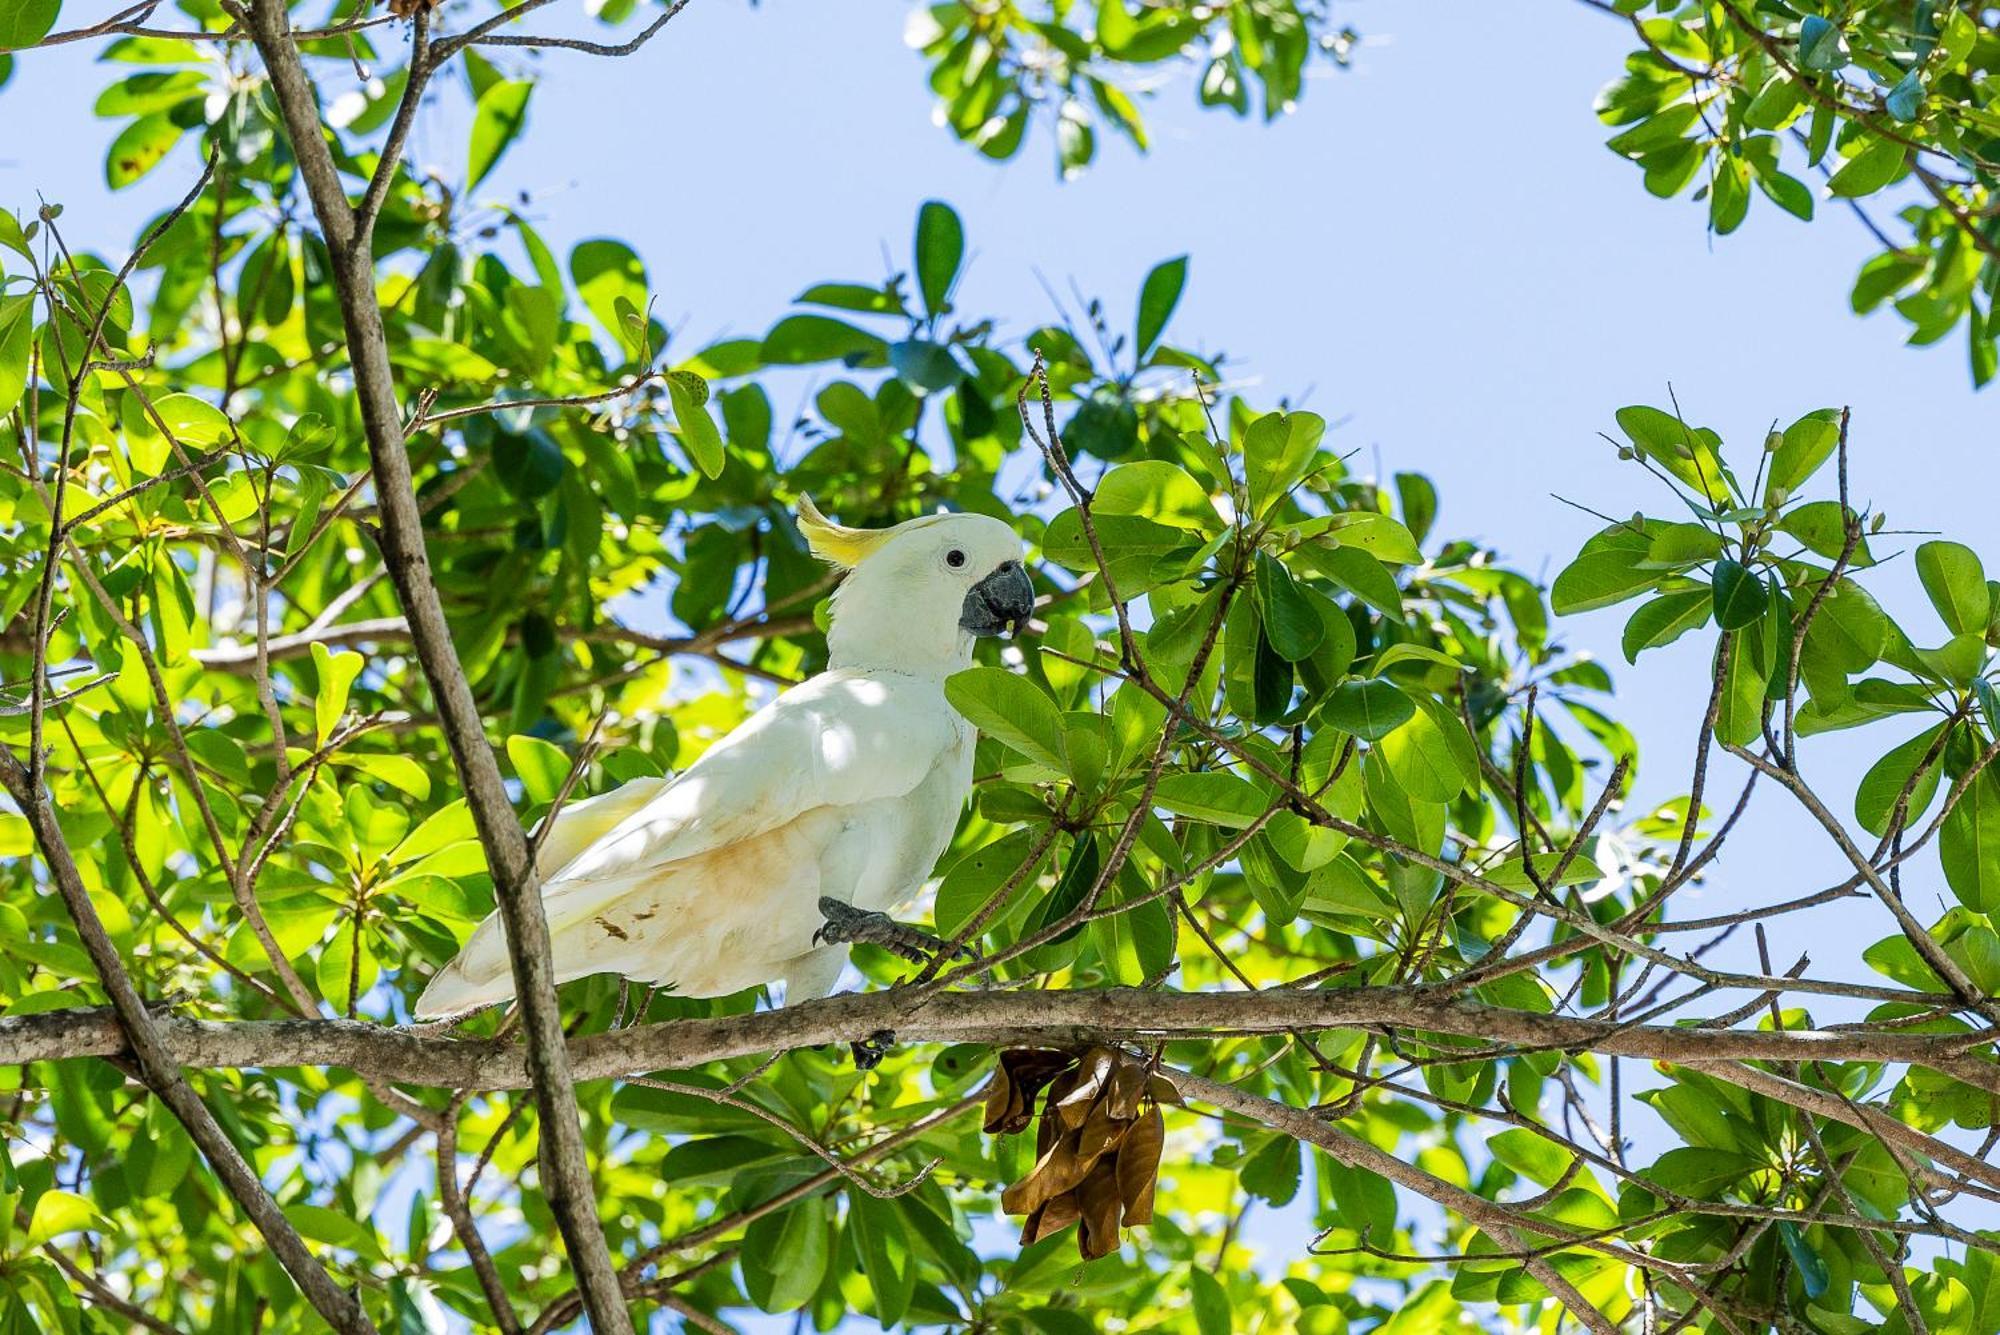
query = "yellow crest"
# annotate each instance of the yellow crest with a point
(836, 543)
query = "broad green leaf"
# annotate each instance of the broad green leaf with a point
(17, 330)
(1821, 526)
(1158, 296)
(1956, 583)
(1277, 448)
(25, 22)
(1212, 796)
(1665, 619)
(1356, 571)
(336, 674)
(697, 429)
(1609, 569)
(138, 149)
(606, 273)
(193, 421)
(1291, 621)
(1533, 1156)
(1157, 490)
(1739, 595)
(1273, 1171)
(940, 250)
(975, 877)
(1384, 538)
(1430, 754)
(497, 119)
(541, 766)
(1876, 165)
(1370, 709)
(1888, 778)
(1807, 444)
(1209, 1300)
(56, 1213)
(800, 340)
(1969, 845)
(1011, 709)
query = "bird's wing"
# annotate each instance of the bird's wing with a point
(840, 739)
(582, 823)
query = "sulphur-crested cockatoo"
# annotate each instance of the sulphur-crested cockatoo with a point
(828, 806)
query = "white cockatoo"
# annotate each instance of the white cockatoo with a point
(788, 838)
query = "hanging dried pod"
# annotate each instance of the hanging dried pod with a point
(1097, 1140)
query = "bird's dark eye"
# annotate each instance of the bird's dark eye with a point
(954, 558)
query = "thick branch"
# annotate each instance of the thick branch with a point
(423, 1057)
(565, 1168)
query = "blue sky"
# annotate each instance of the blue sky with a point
(1436, 250)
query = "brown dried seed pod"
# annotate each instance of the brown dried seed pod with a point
(1097, 1197)
(1051, 1219)
(1139, 1166)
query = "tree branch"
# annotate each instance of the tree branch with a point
(565, 1166)
(424, 1056)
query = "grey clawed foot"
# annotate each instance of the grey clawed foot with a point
(869, 1051)
(845, 923)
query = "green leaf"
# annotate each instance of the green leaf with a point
(336, 674)
(1699, 1171)
(1430, 754)
(1012, 709)
(497, 118)
(940, 250)
(1688, 454)
(1291, 622)
(1358, 572)
(1665, 619)
(1370, 710)
(138, 149)
(1158, 296)
(1869, 170)
(1969, 845)
(1212, 796)
(1807, 443)
(1886, 779)
(1273, 1171)
(697, 428)
(541, 767)
(881, 1242)
(974, 878)
(1740, 596)
(1956, 583)
(1379, 535)
(1812, 1270)
(25, 22)
(800, 340)
(17, 330)
(193, 421)
(607, 273)
(1157, 490)
(1277, 448)
(1821, 528)
(1533, 1156)
(1820, 44)
(1609, 569)
(56, 1213)
(1210, 1301)
(925, 365)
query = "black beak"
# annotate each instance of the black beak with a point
(1005, 598)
